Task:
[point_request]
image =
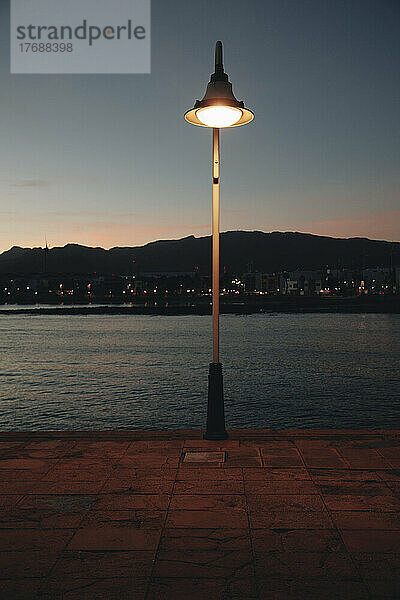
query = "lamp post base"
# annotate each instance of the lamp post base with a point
(215, 410)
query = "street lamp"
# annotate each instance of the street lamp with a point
(219, 108)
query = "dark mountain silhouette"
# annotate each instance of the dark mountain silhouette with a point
(240, 250)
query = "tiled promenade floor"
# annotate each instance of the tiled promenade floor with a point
(137, 516)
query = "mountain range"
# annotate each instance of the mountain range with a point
(240, 251)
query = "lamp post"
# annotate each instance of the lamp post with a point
(218, 108)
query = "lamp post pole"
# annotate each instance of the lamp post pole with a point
(218, 108)
(215, 429)
(215, 244)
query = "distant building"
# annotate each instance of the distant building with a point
(378, 280)
(270, 283)
(397, 279)
(252, 282)
(301, 283)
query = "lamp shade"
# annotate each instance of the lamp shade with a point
(219, 107)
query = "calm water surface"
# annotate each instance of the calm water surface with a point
(128, 372)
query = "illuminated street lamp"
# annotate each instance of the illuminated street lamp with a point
(219, 108)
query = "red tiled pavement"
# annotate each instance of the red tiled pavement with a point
(120, 515)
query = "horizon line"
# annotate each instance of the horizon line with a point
(356, 237)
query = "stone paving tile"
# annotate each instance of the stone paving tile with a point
(32, 539)
(280, 486)
(293, 565)
(157, 447)
(169, 588)
(81, 468)
(311, 589)
(5, 446)
(229, 444)
(355, 488)
(371, 540)
(57, 445)
(389, 589)
(18, 487)
(205, 539)
(143, 474)
(303, 540)
(78, 474)
(207, 502)
(200, 486)
(325, 463)
(208, 473)
(266, 441)
(390, 475)
(206, 444)
(67, 487)
(101, 449)
(27, 563)
(394, 486)
(366, 519)
(267, 540)
(364, 458)
(154, 448)
(197, 457)
(77, 564)
(136, 485)
(126, 501)
(282, 461)
(377, 566)
(238, 458)
(89, 463)
(358, 451)
(378, 463)
(320, 452)
(225, 563)
(9, 500)
(262, 474)
(141, 519)
(223, 519)
(156, 455)
(114, 537)
(51, 449)
(34, 518)
(314, 451)
(58, 503)
(149, 461)
(322, 475)
(390, 452)
(9, 476)
(19, 589)
(288, 511)
(34, 465)
(363, 495)
(121, 588)
(278, 448)
(315, 443)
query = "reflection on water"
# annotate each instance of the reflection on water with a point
(127, 372)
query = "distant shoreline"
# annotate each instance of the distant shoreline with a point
(350, 305)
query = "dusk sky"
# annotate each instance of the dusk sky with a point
(108, 160)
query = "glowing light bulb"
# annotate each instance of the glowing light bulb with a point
(219, 116)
